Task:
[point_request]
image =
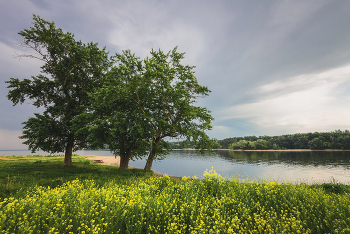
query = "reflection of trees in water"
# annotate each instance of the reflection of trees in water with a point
(301, 158)
(305, 158)
(193, 155)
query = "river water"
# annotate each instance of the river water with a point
(280, 166)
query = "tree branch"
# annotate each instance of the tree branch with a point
(36, 47)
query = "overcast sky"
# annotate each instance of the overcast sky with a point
(274, 67)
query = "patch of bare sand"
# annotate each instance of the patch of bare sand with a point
(106, 160)
(113, 161)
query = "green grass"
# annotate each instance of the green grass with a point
(19, 174)
(91, 198)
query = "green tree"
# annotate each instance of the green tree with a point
(261, 144)
(71, 69)
(316, 143)
(172, 90)
(144, 102)
(242, 144)
(227, 142)
(114, 117)
(275, 146)
(301, 141)
(346, 142)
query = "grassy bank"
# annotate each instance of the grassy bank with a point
(19, 174)
(89, 198)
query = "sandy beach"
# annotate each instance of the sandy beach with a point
(106, 160)
(114, 161)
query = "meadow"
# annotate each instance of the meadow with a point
(40, 195)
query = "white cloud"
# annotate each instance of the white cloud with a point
(305, 103)
(328, 79)
(219, 131)
(9, 140)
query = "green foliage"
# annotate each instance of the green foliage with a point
(142, 102)
(335, 188)
(168, 97)
(165, 205)
(315, 141)
(70, 71)
(260, 144)
(114, 117)
(275, 146)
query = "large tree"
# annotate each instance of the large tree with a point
(172, 90)
(70, 70)
(114, 117)
(145, 102)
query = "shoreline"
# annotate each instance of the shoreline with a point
(112, 161)
(270, 150)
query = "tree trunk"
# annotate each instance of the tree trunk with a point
(152, 153)
(124, 161)
(149, 160)
(125, 154)
(69, 151)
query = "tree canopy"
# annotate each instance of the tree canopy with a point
(114, 117)
(171, 91)
(143, 102)
(71, 70)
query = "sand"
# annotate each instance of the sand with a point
(106, 160)
(114, 161)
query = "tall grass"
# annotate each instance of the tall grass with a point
(166, 205)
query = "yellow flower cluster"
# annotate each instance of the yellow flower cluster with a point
(165, 205)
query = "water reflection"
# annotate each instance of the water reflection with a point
(302, 158)
(282, 166)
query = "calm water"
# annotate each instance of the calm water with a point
(306, 167)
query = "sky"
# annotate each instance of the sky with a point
(274, 67)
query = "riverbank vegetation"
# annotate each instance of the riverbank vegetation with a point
(93, 198)
(315, 141)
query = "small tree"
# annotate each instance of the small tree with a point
(71, 69)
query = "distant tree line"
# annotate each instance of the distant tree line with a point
(316, 141)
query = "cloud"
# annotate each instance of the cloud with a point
(15, 66)
(298, 104)
(220, 130)
(326, 80)
(266, 62)
(12, 116)
(154, 29)
(276, 41)
(9, 140)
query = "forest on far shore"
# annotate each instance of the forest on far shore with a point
(316, 141)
